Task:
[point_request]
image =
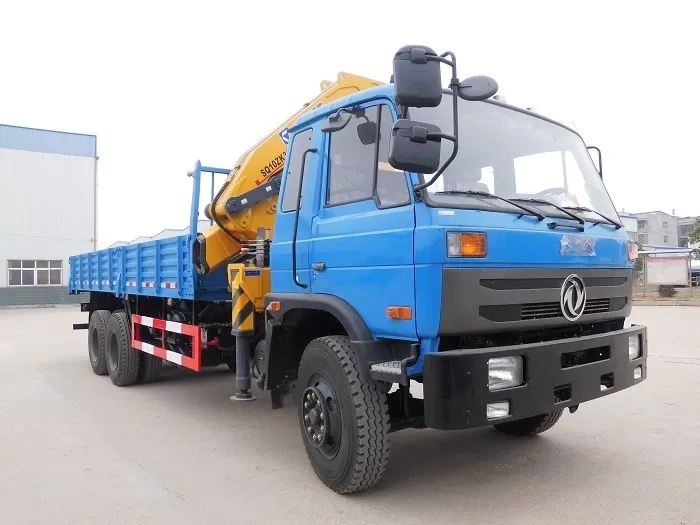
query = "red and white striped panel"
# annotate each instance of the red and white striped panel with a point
(193, 363)
(131, 283)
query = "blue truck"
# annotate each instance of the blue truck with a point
(405, 234)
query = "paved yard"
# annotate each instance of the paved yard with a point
(74, 449)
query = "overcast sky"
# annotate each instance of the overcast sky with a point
(163, 86)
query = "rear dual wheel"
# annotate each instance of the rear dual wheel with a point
(343, 416)
(124, 364)
(97, 341)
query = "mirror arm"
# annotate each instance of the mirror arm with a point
(454, 86)
(418, 187)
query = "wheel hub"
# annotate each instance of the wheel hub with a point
(315, 414)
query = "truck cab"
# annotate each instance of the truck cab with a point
(502, 284)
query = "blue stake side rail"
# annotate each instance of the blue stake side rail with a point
(158, 268)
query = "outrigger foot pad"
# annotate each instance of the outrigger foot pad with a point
(243, 395)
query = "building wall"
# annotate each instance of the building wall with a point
(630, 224)
(47, 208)
(657, 228)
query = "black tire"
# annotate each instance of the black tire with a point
(531, 425)
(97, 341)
(149, 368)
(354, 454)
(122, 360)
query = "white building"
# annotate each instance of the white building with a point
(48, 186)
(629, 221)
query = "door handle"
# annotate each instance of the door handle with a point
(319, 266)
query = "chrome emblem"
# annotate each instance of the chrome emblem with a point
(573, 297)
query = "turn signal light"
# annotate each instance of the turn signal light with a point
(466, 244)
(274, 306)
(399, 313)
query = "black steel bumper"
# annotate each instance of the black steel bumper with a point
(456, 390)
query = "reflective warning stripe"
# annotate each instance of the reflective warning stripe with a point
(193, 363)
(157, 351)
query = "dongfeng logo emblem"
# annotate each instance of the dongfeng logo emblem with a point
(573, 297)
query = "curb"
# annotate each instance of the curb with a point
(665, 303)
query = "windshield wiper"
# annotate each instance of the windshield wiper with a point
(604, 217)
(529, 210)
(578, 219)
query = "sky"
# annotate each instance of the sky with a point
(163, 86)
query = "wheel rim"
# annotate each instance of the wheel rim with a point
(113, 352)
(321, 416)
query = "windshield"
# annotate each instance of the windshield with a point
(514, 155)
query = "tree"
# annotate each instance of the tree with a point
(695, 234)
(639, 263)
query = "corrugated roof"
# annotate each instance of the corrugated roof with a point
(47, 141)
(163, 234)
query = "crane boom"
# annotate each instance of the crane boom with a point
(238, 220)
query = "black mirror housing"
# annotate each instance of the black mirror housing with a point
(479, 87)
(415, 146)
(417, 78)
(336, 121)
(367, 132)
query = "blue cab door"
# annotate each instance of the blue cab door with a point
(361, 239)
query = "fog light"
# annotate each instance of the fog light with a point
(635, 347)
(498, 409)
(637, 372)
(505, 372)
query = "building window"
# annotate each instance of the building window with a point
(642, 238)
(27, 272)
(665, 225)
(642, 224)
(665, 239)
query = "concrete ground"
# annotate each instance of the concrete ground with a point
(74, 449)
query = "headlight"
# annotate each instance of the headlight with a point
(505, 372)
(466, 244)
(635, 347)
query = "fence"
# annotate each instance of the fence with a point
(667, 274)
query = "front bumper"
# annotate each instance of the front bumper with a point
(455, 382)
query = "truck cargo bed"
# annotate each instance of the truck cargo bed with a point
(158, 268)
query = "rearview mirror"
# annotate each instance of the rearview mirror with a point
(417, 80)
(415, 146)
(367, 132)
(336, 121)
(479, 87)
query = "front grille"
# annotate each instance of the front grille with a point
(552, 310)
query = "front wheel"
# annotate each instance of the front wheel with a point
(531, 425)
(343, 416)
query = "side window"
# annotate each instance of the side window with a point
(299, 145)
(392, 188)
(351, 163)
(356, 157)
